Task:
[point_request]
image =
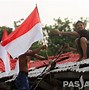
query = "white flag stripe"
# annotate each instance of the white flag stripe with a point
(5, 58)
(24, 42)
(16, 70)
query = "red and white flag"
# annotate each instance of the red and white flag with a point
(5, 34)
(4, 55)
(21, 39)
(5, 59)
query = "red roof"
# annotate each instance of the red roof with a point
(67, 57)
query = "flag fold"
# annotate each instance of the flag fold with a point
(21, 39)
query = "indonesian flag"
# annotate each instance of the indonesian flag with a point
(5, 35)
(5, 59)
(20, 40)
(4, 55)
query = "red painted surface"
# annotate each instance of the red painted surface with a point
(67, 57)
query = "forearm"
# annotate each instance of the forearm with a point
(57, 32)
(74, 49)
(39, 57)
(36, 50)
(69, 33)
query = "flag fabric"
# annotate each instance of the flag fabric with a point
(21, 39)
(3, 53)
(8, 68)
(5, 58)
(5, 34)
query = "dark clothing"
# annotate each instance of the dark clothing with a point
(22, 82)
(83, 33)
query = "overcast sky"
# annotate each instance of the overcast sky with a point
(13, 10)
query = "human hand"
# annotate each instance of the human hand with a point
(44, 47)
(56, 32)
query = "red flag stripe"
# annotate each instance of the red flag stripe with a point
(5, 34)
(29, 23)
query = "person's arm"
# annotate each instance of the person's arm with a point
(74, 33)
(34, 52)
(72, 49)
(69, 33)
(38, 49)
(69, 48)
(39, 57)
(36, 56)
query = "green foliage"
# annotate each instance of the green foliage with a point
(9, 30)
(62, 25)
(54, 41)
